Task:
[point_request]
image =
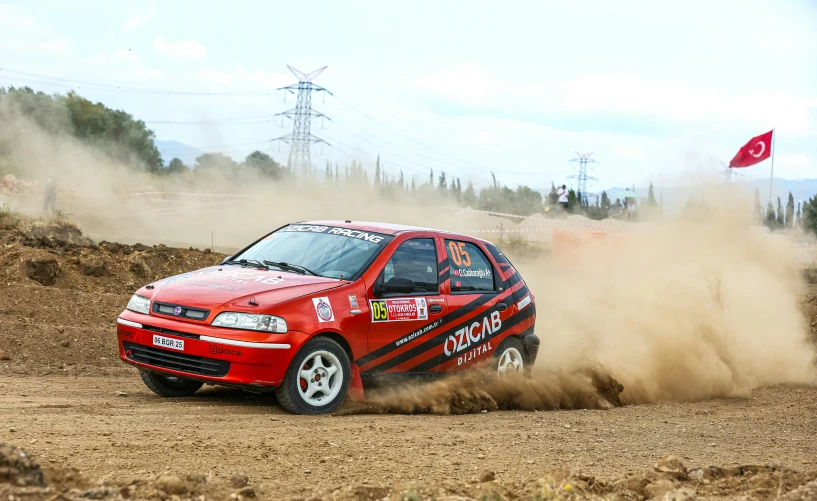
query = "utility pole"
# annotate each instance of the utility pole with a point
(301, 137)
(582, 159)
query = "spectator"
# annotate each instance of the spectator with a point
(562, 193)
(616, 208)
(631, 206)
(50, 202)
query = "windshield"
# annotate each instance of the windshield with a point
(327, 250)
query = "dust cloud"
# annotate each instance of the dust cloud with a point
(672, 309)
(587, 387)
(678, 310)
(112, 201)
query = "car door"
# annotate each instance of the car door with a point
(477, 298)
(404, 324)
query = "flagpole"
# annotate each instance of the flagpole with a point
(771, 176)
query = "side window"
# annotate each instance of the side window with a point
(470, 270)
(415, 260)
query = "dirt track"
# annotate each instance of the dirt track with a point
(81, 422)
(60, 384)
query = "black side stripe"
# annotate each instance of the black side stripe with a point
(442, 266)
(448, 317)
(443, 358)
(437, 339)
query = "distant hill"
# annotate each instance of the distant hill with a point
(174, 149)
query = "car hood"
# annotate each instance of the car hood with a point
(212, 287)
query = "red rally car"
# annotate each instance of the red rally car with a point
(313, 309)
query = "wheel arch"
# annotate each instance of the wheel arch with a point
(341, 340)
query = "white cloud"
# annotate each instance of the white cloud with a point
(135, 21)
(186, 50)
(246, 80)
(14, 21)
(55, 47)
(121, 56)
(625, 95)
(467, 83)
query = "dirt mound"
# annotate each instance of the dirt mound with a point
(56, 253)
(485, 390)
(63, 293)
(669, 479)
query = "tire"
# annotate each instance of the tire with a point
(169, 387)
(509, 357)
(310, 386)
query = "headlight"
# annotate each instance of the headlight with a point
(139, 304)
(248, 321)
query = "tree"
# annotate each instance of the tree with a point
(809, 220)
(571, 200)
(605, 200)
(780, 221)
(215, 161)
(176, 166)
(790, 212)
(114, 132)
(265, 165)
(651, 197)
(443, 185)
(771, 220)
(377, 179)
(469, 197)
(799, 220)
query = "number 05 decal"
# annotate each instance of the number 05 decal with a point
(458, 254)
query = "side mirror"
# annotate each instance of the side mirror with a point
(397, 285)
(226, 259)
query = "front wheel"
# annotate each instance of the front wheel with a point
(317, 380)
(508, 358)
(169, 386)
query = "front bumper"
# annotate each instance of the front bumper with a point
(210, 354)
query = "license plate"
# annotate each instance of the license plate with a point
(166, 342)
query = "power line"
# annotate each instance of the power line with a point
(478, 166)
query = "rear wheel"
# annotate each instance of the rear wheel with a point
(508, 358)
(317, 380)
(169, 386)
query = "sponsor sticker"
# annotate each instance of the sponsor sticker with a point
(323, 308)
(475, 333)
(468, 272)
(524, 302)
(346, 232)
(221, 350)
(436, 300)
(399, 309)
(352, 301)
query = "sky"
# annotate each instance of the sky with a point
(657, 91)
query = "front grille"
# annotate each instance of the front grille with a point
(177, 361)
(179, 311)
(169, 331)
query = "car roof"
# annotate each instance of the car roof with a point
(385, 228)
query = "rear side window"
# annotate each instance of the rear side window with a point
(415, 260)
(469, 269)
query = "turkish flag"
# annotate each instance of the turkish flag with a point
(758, 149)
